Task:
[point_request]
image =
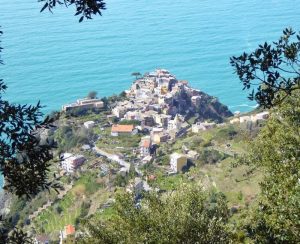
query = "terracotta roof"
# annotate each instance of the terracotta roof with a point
(70, 229)
(146, 143)
(151, 177)
(122, 128)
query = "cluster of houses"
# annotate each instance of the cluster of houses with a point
(251, 118)
(200, 126)
(155, 100)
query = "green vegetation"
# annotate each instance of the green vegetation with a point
(72, 207)
(70, 137)
(189, 214)
(119, 144)
(92, 95)
(274, 66)
(276, 152)
(168, 183)
(243, 187)
(86, 184)
(50, 221)
(211, 156)
(129, 122)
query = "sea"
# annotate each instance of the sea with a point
(52, 58)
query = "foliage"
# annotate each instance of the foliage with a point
(88, 181)
(130, 122)
(275, 67)
(24, 161)
(84, 210)
(121, 180)
(276, 152)
(116, 98)
(211, 156)
(136, 74)
(92, 95)
(50, 221)
(120, 144)
(69, 137)
(227, 133)
(189, 215)
(85, 8)
(17, 236)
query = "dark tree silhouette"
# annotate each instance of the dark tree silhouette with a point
(24, 160)
(272, 70)
(92, 95)
(136, 74)
(85, 8)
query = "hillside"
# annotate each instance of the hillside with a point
(116, 162)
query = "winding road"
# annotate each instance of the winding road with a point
(116, 158)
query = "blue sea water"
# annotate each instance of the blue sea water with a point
(55, 59)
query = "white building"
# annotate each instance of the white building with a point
(175, 124)
(202, 126)
(245, 119)
(145, 146)
(89, 124)
(119, 111)
(177, 162)
(235, 120)
(84, 104)
(261, 116)
(70, 163)
(196, 100)
(253, 118)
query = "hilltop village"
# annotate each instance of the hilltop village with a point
(156, 135)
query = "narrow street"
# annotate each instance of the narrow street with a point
(116, 158)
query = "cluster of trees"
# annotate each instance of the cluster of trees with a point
(276, 152)
(211, 156)
(122, 180)
(68, 137)
(189, 215)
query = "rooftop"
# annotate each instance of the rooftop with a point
(122, 128)
(146, 143)
(69, 229)
(177, 155)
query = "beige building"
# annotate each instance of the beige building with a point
(83, 104)
(177, 162)
(196, 128)
(145, 146)
(175, 124)
(158, 135)
(121, 129)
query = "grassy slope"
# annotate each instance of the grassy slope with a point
(232, 181)
(221, 175)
